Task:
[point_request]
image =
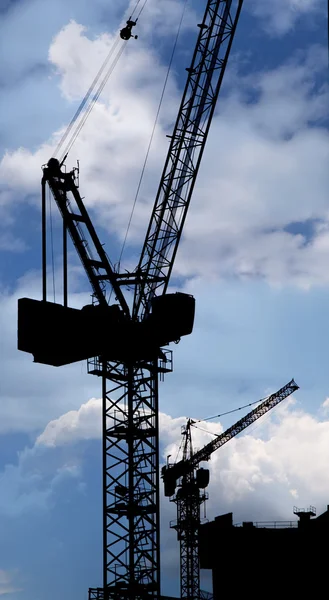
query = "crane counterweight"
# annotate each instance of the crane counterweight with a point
(58, 335)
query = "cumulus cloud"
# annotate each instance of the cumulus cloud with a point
(270, 175)
(282, 457)
(7, 585)
(260, 205)
(76, 425)
(85, 424)
(280, 461)
(123, 121)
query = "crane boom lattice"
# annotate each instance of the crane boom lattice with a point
(251, 417)
(187, 143)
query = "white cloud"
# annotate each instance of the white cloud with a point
(265, 165)
(259, 476)
(85, 424)
(76, 425)
(271, 172)
(7, 585)
(283, 455)
(123, 120)
(280, 16)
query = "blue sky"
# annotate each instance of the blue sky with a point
(255, 254)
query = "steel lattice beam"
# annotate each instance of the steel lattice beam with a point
(188, 500)
(84, 237)
(187, 143)
(255, 414)
(131, 478)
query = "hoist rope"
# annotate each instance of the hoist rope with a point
(90, 100)
(252, 427)
(136, 5)
(93, 98)
(203, 429)
(87, 96)
(141, 10)
(179, 450)
(153, 130)
(231, 411)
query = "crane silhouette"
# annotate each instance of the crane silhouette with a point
(189, 495)
(126, 346)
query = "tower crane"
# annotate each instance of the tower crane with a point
(128, 341)
(190, 494)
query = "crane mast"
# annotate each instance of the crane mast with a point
(129, 347)
(191, 494)
(188, 500)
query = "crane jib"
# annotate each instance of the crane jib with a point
(174, 472)
(187, 143)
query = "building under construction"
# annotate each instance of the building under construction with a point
(273, 559)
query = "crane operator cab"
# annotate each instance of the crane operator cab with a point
(125, 33)
(54, 169)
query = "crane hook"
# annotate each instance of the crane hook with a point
(125, 33)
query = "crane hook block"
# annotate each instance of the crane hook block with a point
(126, 33)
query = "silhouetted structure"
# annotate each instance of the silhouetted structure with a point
(185, 482)
(126, 32)
(279, 559)
(123, 342)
